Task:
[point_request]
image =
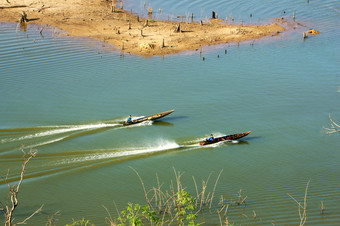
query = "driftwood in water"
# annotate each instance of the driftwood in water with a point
(305, 35)
(335, 128)
(313, 32)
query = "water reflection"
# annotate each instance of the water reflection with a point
(162, 123)
(23, 26)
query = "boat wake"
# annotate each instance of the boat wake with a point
(55, 163)
(120, 153)
(32, 137)
(44, 131)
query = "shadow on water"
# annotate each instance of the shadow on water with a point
(251, 138)
(162, 123)
(174, 118)
(243, 142)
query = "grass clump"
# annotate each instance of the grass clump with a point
(175, 206)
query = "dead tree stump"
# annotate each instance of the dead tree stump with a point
(146, 24)
(213, 16)
(149, 11)
(178, 28)
(23, 18)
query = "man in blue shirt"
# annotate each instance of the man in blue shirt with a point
(211, 138)
(129, 120)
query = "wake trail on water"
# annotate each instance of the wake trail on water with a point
(50, 164)
(115, 154)
(100, 155)
(39, 132)
(32, 137)
(47, 165)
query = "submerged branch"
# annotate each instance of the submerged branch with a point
(334, 127)
(35, 212)
(302, 208)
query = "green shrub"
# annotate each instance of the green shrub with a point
(81, 222)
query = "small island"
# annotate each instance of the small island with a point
(105, 21)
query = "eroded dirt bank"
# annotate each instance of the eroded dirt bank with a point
(103, 20)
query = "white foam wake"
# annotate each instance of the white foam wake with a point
(60, 130)
(161, 145)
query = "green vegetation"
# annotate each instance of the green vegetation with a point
(81, 222)
(175, 206)
(134, 214)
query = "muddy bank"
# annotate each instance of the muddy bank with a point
(108, 22)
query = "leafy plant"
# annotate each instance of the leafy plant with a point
(185, 205)
(81, 222)
(134, 214)
(184, 208)
(131, 215)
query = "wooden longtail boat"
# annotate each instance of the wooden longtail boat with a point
(225, 138)
(148, 118)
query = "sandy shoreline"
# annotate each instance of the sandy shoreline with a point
(102, 20)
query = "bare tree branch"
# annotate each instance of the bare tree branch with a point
(334, 127)
(109, 219)
(37, 211)
(302, 208)
(13, 6)
(145, 193)
(333, 121)
(51, 219)
(12, 202)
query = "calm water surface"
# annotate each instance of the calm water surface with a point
(65, 97)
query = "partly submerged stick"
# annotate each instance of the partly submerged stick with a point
(212, 196)
(145, 193)
(303, 215)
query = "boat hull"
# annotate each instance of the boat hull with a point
(149, 118)
(225, 138)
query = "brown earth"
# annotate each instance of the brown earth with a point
(103, 20)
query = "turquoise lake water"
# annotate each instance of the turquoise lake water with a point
(65, 97)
